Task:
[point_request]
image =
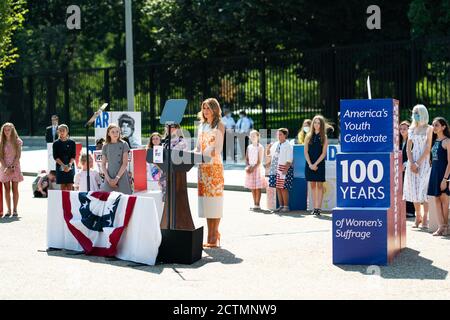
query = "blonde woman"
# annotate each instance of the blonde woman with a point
(115, 162)
(306, 127)
(418, 169)
(210, 175)
(10, 173)
(254, 176)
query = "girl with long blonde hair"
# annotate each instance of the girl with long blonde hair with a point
(418, 169)
(10, 173)
(306, 128)
(115, 162)
(316, 146)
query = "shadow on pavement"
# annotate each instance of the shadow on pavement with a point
(291, 214)
(104, 260)
(220, 255)
(324, 217)
(407, 265)
(212, 255)
(9, 220)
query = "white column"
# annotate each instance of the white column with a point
(129, 50)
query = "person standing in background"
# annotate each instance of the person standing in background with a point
(243, 127)
(229, 140)
(304, 131)
(281, 170)
(115, 162)
(51, 132)
(10, 173)
(438, 186)
(64, 153)
(417, 173)
(316, 146)
(254, 176)
(404, 127)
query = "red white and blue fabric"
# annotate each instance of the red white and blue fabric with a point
(97, 219)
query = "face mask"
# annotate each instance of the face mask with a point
(306, 129)
(416, 117)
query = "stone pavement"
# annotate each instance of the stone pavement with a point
(263, 256)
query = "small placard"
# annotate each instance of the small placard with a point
(158, 154)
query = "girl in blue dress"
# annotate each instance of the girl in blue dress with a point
(316, 145)
(438, 186)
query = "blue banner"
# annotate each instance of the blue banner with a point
(368, 125)
(360, 236)
(363, 180)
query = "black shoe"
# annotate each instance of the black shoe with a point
(319, 211)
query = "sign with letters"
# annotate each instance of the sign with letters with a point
(129, 123)
(363, 180)
(368, 222)
(369, 125)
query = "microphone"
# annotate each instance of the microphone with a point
(100, 110)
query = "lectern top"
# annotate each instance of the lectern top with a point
(173, 111)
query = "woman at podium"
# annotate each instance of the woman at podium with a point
(210, 175)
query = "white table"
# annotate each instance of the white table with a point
(139, 242)
(157, 196)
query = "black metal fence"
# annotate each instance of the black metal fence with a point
(276, 90)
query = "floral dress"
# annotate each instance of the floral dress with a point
(416, 184)
(9, 156)
(210, 175)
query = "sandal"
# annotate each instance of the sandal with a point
(417, 222)
(15, 214)
(8, 214)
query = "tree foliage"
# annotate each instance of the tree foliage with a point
(182, 30)
(12, 13)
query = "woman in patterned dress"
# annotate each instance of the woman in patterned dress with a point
(10, 173)
(418, 169)
(210, 175)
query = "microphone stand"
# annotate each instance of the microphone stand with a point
(87, 125)
(169, 178)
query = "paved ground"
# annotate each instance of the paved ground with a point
(263, 256)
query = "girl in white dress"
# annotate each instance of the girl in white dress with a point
(418, 168)
(254, 176)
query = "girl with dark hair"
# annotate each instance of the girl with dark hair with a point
(403, 128)
(281, 170)
(438, 186)
(64, 153)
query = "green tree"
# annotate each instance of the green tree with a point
(12, 14)
(429, 17)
